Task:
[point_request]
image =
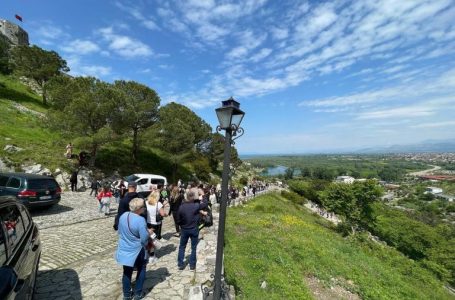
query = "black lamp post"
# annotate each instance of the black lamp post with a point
(230, 116)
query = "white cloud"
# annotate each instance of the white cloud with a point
(435, 124)
(137, 13)
(263, 53)
(124, 45)
(78, 68)
(80, 47)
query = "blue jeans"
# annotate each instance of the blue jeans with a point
(192, 233)
(140, 264)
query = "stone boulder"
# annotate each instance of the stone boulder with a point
(4, 165)
(12, 149)
(33, 169)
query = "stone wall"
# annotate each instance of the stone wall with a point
(15, 34)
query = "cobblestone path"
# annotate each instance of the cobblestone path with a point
(77, 261)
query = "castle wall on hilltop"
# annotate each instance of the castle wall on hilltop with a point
(14, 33)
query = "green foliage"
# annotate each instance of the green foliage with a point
(135, 110)
(415, 239)
(202, 168)
(309, 189)
(352, 201)
(38, 64)
(290, 246)
(289, 173)
(85, 116)
(294, 197)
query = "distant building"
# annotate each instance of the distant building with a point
(14, 33)
(433, 190)
(345, 179)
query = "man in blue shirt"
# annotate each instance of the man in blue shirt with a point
(188, 216)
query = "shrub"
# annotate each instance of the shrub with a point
(294, 197)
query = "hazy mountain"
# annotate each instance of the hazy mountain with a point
(424, 146)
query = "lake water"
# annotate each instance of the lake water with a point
(278, 170)
(275, 171)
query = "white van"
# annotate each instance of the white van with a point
(145, 182)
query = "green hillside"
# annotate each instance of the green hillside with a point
(28, 131)
(300, 256)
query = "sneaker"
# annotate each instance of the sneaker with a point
(181, 268)
(153, 259)
(192, 267)
(140, 296)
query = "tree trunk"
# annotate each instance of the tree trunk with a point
(93, 155)
(43, 90)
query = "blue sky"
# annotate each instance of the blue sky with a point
(311, 75)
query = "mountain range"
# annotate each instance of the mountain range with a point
(438, 146)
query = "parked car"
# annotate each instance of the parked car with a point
(145, 182)
(20, 250)
(30, 189)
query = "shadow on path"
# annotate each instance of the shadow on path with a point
(154, 277)
(54, 209)
(58, 284)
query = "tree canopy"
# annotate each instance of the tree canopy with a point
(136, 110)
(85, 115)
(38, 64)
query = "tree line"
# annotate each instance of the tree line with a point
(95, 113)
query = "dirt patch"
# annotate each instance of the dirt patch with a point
(336, 289)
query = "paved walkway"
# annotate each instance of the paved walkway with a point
(77, 260)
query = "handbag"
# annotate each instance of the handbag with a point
(158, 216)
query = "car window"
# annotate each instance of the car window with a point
(25, 216)
(12, 222)
(14, 183)
(3, 180)
(41, 184)
(142, 181)
(2, 247)
(157, 181)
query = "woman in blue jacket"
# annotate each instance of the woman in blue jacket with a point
(133, 237)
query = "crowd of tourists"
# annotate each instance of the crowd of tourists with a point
(139, 222)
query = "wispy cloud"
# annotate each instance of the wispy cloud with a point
(80, 47)
(123, 45)
(435, 124)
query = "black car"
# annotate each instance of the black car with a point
(20, 250)
(31, 189)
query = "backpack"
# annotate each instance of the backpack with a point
(207, 220)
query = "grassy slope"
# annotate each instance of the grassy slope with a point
(25, 130)
(273, 240)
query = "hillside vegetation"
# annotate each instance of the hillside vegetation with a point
(24, 123)
(274, 240)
